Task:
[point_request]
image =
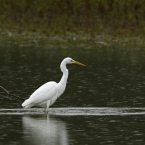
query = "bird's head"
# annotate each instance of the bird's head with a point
(69, 60)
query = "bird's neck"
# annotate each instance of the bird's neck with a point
(64, 70)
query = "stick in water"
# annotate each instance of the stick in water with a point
(8, 95)
(5, 90)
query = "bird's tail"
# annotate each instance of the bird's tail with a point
(27, 104)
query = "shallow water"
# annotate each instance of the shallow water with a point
(113, 77)
(76, 111)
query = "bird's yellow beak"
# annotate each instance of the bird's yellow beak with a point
(76, 62)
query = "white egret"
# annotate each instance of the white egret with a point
(47, 94)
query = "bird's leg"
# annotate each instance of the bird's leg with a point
(48, 104)
(44, 109)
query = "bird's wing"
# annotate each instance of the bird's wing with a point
(44, 93)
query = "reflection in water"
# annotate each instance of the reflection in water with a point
(82, 130)
(38, 130)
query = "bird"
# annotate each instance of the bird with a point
(48, 93)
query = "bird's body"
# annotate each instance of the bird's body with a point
(47, 94)
(40, 97)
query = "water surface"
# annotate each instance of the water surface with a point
(72, 130)
(113, 77)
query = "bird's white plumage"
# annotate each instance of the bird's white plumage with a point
(47, 94)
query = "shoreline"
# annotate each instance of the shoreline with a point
(31, 38)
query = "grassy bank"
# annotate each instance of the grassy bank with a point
(66, 20)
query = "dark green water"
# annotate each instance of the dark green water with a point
(114, 76)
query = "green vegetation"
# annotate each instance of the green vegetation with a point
(73, 19)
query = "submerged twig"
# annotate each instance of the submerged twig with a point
(8, 94)
(5, 90)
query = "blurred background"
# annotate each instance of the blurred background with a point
(73, 18)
